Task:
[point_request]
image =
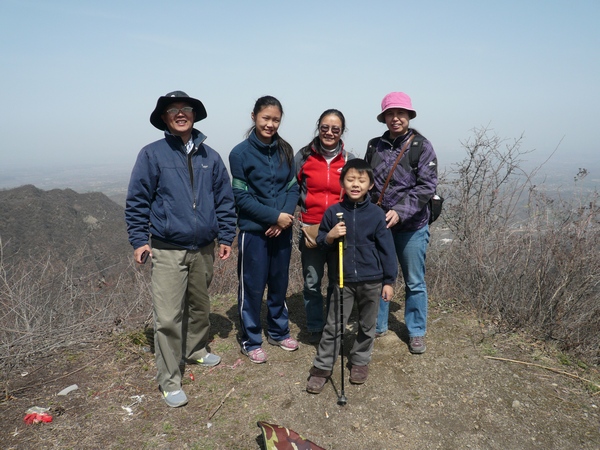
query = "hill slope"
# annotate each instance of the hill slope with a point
(35, 223)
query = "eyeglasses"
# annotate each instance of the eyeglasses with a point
(334, 130)
(175, 111)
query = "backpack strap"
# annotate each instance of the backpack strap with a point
(415, 151)
(371, 147)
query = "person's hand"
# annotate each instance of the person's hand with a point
(336, 232)
(224, 251)
(285, 220)
(392, 218)
(273, 231)
(139, 254)
(387, 293)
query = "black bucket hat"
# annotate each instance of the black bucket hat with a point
(173, 97)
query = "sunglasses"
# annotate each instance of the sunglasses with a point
(175, 111)
(334, 130)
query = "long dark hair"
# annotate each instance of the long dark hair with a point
(283, 146)
(315, 140)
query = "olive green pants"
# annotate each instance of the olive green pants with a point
(180, 281)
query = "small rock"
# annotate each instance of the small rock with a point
(516, 404)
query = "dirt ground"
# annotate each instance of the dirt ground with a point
(452, 397)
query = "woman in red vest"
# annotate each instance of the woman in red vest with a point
(318, 167)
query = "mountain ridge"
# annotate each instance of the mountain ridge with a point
(61, 223)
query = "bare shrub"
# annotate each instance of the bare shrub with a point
(44, 305)
(516, 253)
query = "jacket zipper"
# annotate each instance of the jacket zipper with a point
(354, 246)
(328, 179)
(191, 175)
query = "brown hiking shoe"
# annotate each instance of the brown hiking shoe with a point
(417, 344)
(359, 374)
(316, 381)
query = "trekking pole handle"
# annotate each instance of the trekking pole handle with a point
(340, 217)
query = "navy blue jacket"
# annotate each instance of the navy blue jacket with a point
(183, 200)
(263, 185)
(369, 253)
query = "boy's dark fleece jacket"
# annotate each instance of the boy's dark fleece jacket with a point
(369, 253)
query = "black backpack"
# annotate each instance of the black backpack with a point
(416, 148)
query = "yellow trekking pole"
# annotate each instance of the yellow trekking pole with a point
(342, 398)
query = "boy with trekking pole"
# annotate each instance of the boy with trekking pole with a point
(369, 272)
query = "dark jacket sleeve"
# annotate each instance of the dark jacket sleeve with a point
(324, 227)
(139, 196)
(224, 202)
(293, 191)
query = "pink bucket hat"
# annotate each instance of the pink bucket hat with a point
(396, 100)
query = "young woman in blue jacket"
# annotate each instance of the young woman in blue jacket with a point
(266, 194)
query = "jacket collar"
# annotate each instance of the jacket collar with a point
(260, 145)
(176, 141)
(396, 143)
(347, 204)
(315, 148)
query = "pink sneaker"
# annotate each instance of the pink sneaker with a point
(257, 355)
(289, 344)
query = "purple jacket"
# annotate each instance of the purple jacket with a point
(411, 187)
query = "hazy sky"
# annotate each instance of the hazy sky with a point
(80, 78)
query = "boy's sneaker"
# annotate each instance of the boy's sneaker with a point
(257, 356)
(359, 374)
(380, 334)
(317, 380)
(288, 344)
(209, 360)
(417, 344)
(174, 399)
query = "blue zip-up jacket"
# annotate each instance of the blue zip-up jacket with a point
(369, 253)
(263, 185)
(181, 199)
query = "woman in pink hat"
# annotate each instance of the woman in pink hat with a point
(405, 168)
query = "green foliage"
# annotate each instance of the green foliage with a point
(137, 337)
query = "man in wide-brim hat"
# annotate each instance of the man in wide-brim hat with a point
(179, 202)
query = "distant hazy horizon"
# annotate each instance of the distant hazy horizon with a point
(81, 78)
(112, 178)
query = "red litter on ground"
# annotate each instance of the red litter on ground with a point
(37, 415)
